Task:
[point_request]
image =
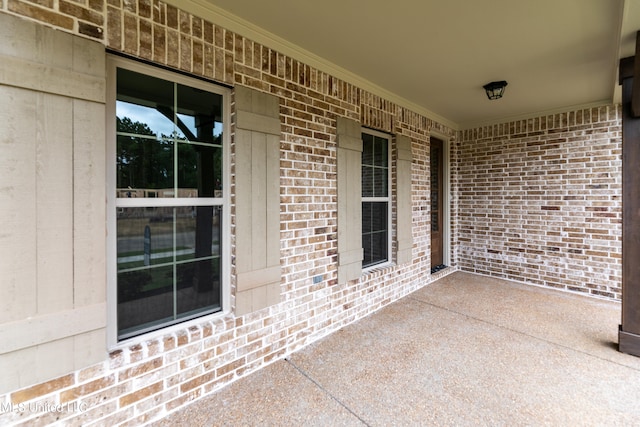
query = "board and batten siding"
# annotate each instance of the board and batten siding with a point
(52, 247)
(404, 234)
(257, 227)
(349, 166)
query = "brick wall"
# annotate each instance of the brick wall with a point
(540, 201)
(84, 17)
(535, 201)
(145, 381)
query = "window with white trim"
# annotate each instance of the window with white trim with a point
(376, 202)
(170, 202)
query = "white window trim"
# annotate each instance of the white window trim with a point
(114, 62)
(388, 199)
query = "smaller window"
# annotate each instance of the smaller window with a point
(375, 198)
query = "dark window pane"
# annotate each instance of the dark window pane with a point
(146, 101)
(366, 245)
(367, 149)
(198, 286)
(197, 232)
(375, 248)
(381, 152)
(168, 265)
(374, 232)
(199, 170)
(188, 173)
(142, 120)
(199, 115)
(366, 217)
(381, 182)
(150, 121)
(379, 216)
(144, 167)
(367, 181)
(375, 167)
(378, 247)
(145, 298)
(145, 237)
(145, 158)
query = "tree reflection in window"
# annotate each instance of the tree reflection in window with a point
(169, 148)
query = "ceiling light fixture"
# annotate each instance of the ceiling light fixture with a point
(495, 90)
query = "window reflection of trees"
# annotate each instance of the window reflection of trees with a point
(145, 163)
(182, 277)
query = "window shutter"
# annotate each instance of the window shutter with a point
(404, 235)
(349, 153)
(257, 191)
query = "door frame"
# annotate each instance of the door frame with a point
(446, 194)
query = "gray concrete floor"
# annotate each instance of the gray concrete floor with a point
(465, 350)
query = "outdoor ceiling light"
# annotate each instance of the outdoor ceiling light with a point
(495, 89)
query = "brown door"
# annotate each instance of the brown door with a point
(437, 259)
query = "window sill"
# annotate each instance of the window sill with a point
(161, 333)
(377, 269)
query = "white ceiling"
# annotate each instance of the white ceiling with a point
(437, 54)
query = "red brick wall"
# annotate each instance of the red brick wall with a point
(540, 201)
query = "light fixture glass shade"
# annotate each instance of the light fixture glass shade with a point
(495, 90)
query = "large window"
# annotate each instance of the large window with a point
(375, 198)
(169, 198)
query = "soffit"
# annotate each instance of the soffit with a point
(436, 55)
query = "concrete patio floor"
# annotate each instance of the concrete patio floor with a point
(464, 350)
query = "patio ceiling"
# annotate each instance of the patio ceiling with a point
(435, 55)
